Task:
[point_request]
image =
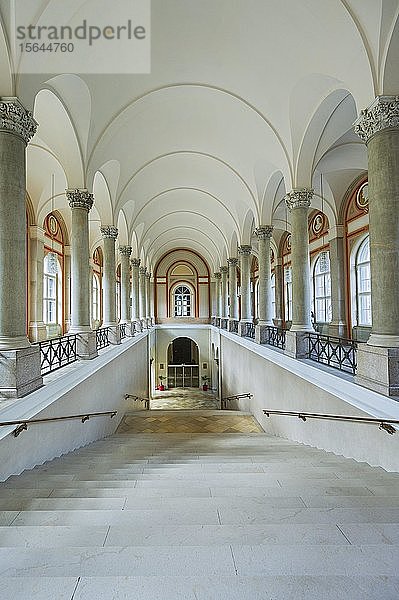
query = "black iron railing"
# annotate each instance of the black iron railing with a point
(102, 338)
(57, 353)
(385, 424)
(23, 425)
(233, 326)
(145, 401)
(213, 321)
(274, 337)
(225, 401)
(224, 323)
(338, 353)
(250, 330)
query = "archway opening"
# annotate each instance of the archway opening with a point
(183, 363)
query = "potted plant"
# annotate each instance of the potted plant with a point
(205, 380)
(161, 386)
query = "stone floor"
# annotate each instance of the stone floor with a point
(189, 421)
(183, 399)
(186, 516)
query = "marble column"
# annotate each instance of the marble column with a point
(81, 202)
(135, 316)
(245, 253)
(224, 292)
(279, 281)
(148, 299)
(37, 328)
(338, 326)
(264, 235)
(298, 202)
(67, 288)
(233, 262)
(143, 295)
(20, 362)
(378, 127)
(125, 252)
(110, 234)
(218, 295)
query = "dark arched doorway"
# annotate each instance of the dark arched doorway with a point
(183, 363)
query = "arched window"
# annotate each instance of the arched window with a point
(52, 294)
(363, 284)
(273, 286)
(95, 306)
(182, 301)
(288, 293)
(322, 288)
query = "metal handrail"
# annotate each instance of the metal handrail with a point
(24, 423)
(383, 423)
(236, 397)
(138, 399)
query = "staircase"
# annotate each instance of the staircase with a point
(199, 516)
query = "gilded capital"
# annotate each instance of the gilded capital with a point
(125, 250)
(14, 118)
(299, 198)
(80, 198)
(245, 250)
(382, 114)
(264, 232)
(109, 232)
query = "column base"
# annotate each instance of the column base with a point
(86, 345)
(242, 327)
(14, 343)
(75, 329)
(20, 372)
(114, 335)
(384, 341)
(37, 332)
(296, 344)
(378, 369)
(261, 331)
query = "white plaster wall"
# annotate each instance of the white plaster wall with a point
(91, 386)
(279, 388)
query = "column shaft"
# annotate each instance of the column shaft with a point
(37, 328)
(80, 202)
(135, 316)
(218, 295)
(264, 235)
(337, 326)
(125, 252)
(143, 290)
(245, 266)
(109, 234)
(298, 202)
(233, 262)
(224, 293)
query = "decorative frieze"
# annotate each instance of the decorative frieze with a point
(80, 198)
(299, 198)
(16, 119)
(109, 232)
(382, 114)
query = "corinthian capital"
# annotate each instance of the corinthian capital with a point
(109, 232)
(245, 250)
(299, 198)
(217, 275)
(125, 250)
(382, 114)
(143, 271)
(232, 261)
(224, 270)
(80, 198)
(264, 232)
(135, 262)
(16, 119)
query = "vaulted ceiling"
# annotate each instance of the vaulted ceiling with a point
(246, 99)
